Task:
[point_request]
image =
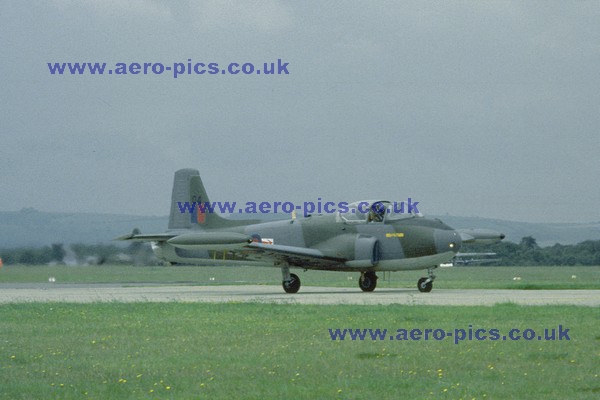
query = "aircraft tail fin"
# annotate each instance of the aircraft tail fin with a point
(181, 194)
(187, 200)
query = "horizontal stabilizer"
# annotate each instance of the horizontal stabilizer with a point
(152, 237)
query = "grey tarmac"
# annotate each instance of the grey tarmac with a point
(91, 293)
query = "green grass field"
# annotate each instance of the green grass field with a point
(449, 278)
(262, 351)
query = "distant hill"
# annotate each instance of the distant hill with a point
(30, 227)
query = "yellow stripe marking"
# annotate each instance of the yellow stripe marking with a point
(391, 235)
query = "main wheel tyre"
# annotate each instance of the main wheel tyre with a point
(293, 285)
(367, 281)
(424, 287)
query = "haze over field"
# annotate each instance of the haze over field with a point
(488, 109)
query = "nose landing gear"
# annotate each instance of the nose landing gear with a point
(426, 284)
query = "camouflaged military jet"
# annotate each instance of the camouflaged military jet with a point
(365, 237)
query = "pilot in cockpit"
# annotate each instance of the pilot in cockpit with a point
(376, 213)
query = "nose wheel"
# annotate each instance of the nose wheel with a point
(426, 284)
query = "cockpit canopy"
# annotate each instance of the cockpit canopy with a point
(374, 211)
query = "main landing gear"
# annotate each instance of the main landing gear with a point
(426, 284)
(367, 281)
(291, 282)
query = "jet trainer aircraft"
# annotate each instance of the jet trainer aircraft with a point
(350, 240)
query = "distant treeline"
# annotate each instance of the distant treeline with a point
(80, 254)
(528, 253)
(525, 253)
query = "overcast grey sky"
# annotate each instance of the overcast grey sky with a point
(480, 108)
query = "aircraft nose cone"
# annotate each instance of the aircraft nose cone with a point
(447, 240)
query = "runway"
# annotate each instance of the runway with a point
(83, 293)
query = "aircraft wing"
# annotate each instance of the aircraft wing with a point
(296, 256)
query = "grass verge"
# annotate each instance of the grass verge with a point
(174, 350)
